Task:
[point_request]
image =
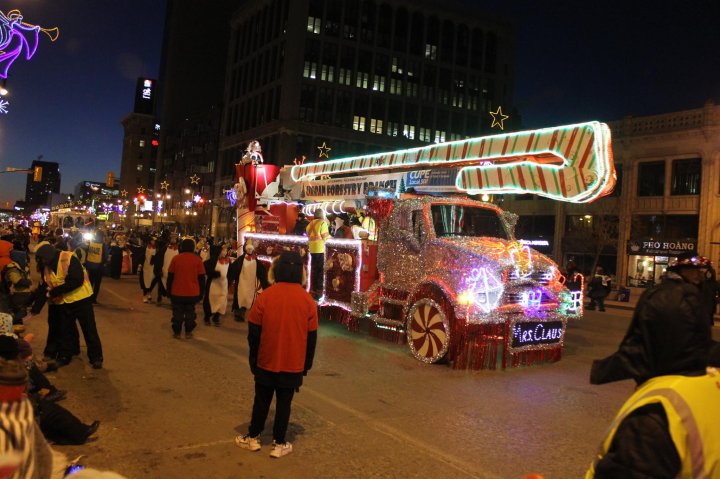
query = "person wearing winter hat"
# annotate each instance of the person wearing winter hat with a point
(282, 334)
(67, 285)
(669, 332)
(216, 285)
(19, 432)
(186, 283)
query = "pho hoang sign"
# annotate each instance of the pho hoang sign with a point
(661, 247)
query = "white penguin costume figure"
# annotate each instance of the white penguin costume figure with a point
(170, 253)
(250, 278)
(148, 275)
(216, 289)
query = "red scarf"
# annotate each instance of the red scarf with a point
(250, 257)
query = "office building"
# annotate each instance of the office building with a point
(335, 78)
(36, 192)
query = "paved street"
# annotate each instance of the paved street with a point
(170, 408)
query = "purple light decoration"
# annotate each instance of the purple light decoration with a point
(231, 196)
(16, 36)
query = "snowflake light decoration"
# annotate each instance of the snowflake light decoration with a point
(188, 204)
(197, 198)
(3, 106)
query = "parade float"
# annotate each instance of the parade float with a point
(445, 274)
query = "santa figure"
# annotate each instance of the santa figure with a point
(250, 277)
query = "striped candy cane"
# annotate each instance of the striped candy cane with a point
(571, 163)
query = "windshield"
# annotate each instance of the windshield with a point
(459, 220)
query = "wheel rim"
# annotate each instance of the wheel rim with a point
(427, 331)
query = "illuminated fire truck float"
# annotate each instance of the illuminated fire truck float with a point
(446, 274)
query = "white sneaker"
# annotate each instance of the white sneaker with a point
(280, 449)
(146, 299)
(149, 299)
(247, 442)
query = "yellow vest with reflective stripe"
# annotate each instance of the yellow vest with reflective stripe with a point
(94, 254)
(317, 231)
(692, 406)
(368, 224)
(56, 278)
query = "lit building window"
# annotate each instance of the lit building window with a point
(362, 80)
(411, 89)
(327, 73)
(310, 70)
(313, 25)
(431, 51)
(139, 167)
(376, 126)
(396, 66)
(142, 144)
(358, 123)
(395, 86)
(409, 132)
(425, 134)
(379, 83)
(344, 76)
(393, 128)
(439, 136)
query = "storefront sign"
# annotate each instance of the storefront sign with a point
(533, 333)
(673, 247)
(354, 188)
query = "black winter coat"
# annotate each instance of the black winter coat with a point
(669, 334)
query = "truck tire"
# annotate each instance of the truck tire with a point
(428, 330)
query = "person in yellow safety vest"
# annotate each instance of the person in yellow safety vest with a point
(67, 285)
(669, 428)
(317, 231)
(97, 256)
(368, 225)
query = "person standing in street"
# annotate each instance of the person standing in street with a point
(249, 276)
(282, 335)
(216, 285)
(669, 332)
(68, 286)
(317, 231)
(148, 279)
(97, 256)
(168, 253)
(186, 283)
(598, 289)
(669, 428)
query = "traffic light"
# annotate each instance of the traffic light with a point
(37, 174)
(110, 179)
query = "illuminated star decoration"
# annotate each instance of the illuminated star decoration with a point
(194, 180)
(188, 204)
(496, 121)
(141, 190)
(197, 198)
(164, 185)
(16, 36)
(3, 106)
(123, 193)
(324, 150)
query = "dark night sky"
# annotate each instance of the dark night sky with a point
(575, 61)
